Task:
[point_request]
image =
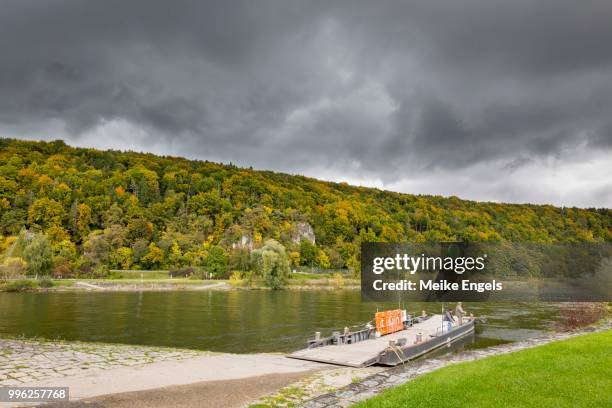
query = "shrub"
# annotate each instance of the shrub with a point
(338, 279)
(236, 276)
(240, 259)
(574, 316)
(115, 275)
(249, 278)
(45, 282)
(12, 267)
(62, 269)
(100, 271)
(84, 270)
(21, 285)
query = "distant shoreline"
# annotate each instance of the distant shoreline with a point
(119, 285)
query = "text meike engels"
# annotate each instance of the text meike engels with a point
(412, 264)
(442, 285)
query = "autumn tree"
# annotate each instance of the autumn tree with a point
(45, 212)
(154, 257)
(96, 248)
(136, 200)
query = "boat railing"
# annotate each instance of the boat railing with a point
(444, 329)
(342, 338)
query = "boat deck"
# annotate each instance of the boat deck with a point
(367, 352)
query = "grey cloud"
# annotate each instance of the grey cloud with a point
(385, 90)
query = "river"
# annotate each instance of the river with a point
(234, 321)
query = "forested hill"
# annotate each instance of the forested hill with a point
(133, 210)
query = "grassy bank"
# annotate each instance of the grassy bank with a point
(134, 280)
(570, 373)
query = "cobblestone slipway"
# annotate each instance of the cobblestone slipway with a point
(23, 361)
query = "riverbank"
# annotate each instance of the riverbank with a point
(139, 285)
(113, 375)
(121, 375)
(569, 373)
(495, 376)
(92, 370)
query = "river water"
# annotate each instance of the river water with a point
(234, 321)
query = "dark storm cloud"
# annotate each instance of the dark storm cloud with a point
(387, 90)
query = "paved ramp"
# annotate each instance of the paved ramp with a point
(366, 353)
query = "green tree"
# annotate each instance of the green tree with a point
(38, 255)
(64, 258)
(66, 250)
(139, 228)
(354, 265)
(143, 183)
(175, 259)
(240, 259)
(139, 250)
(272, 264)
(308, 253)
(323, 260)
(217, 261)
(137, 198)
(114, 215)
(335, 259)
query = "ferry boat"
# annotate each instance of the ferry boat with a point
(396, 338)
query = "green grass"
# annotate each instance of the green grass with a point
(154, 280)
(182, 282)
(306, 275)
(570, 373)
(63, 282)
(33, 284)
(132, 274)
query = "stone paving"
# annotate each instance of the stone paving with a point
(23, 361)
(374, 384)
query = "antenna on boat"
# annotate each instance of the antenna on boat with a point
(399, 296)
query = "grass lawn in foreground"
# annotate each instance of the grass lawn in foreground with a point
(570, 373)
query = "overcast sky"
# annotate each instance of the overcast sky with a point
(488, 100)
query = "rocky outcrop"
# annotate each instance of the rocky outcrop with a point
(303, 231)
(245, 242)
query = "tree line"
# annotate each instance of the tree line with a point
(68, 211)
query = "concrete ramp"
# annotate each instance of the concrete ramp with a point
(367, 352)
